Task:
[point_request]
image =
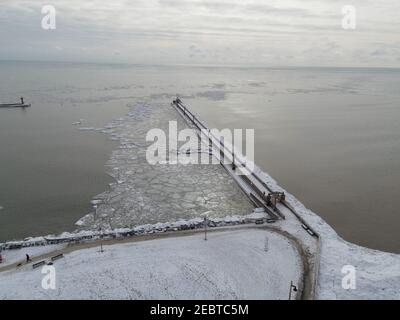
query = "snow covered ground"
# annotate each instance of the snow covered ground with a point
(240, 264)
(377, 274)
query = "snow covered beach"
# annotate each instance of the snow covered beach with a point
(377, 273)
(242, 264)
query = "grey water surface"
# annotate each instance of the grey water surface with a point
(330, 136)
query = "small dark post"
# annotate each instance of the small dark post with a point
(221, 150)
(210, 147)
(233, 157)
(292, 287)
(22, 100)
(101, 240)
(269, 200)
(205, 228)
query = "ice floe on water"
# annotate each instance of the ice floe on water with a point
(146, 194)
(79, 122)
(87, 129)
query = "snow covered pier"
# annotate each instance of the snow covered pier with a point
(22, 104)
(251, 183)
(263, 196)
(248, 183)
(376, 274)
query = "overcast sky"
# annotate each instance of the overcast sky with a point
(229, 32)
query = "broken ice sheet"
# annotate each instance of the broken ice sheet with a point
(143, 193)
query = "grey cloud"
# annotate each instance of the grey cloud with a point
(211, 5)
(176, 31)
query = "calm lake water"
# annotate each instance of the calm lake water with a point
(329, 136)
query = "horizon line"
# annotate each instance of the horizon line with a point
(239, 66)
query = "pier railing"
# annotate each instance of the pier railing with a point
(226, 151)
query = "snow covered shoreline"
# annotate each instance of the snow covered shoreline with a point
(89, 235)
(377, 273)
(240, 264)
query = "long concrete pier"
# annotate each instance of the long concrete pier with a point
(260, 194)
